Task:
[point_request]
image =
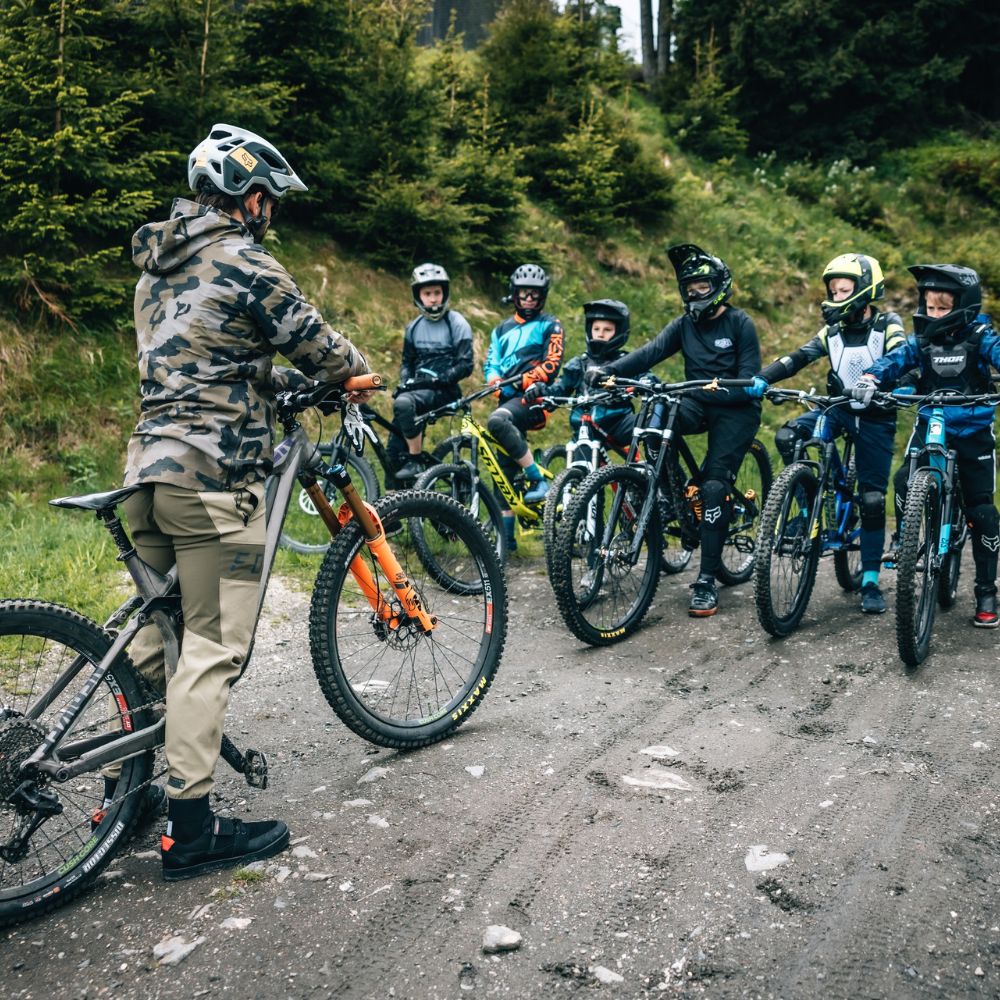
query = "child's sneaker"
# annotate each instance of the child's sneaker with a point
(986, 608)
(537, 492)
(872, 601)
(704, 599)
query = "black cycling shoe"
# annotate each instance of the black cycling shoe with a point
(986, 608)
(872, 601)
(409, 471)
(223, 843)
(704, 599)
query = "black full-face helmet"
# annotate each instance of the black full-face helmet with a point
(962, 283)
(529, 276)
(869, 286)
(430, 274)
(617, 313)
(692, 264)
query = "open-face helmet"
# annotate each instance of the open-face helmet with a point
(235, 161)
(529, 276)
(692, 264)
(962, 283)
(869, 287)
(617, 313)
(430, 274)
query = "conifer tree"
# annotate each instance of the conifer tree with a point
(70, 183)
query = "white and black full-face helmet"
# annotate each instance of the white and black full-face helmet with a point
(430, 274)
(529, 276)
(614, 311)
(235, 161)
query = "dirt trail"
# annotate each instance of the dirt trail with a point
(875, 789)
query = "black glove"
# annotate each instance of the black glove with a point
(534, 392)
(595, 375)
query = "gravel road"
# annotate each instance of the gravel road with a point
(699, 811)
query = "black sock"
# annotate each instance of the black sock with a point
(186, 818)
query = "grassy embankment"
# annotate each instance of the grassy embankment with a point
(67, 399)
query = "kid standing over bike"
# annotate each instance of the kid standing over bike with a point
(716, 341)
(606, 326)
(212, 308)
(856, 334)
(437, 355)
(952, 347)
(530, 344)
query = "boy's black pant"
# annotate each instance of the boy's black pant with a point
(731, 430)
(976, 466)
(406, 407)
(508, 423)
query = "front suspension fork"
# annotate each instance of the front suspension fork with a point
(375, 539)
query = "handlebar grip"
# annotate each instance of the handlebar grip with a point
(360, 383)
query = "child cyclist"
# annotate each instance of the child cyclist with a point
(530, 344)
(437, 355)
(716, 341)
(952, 347)
(606, 326)
(855, 335)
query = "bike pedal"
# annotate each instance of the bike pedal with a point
(255, 768)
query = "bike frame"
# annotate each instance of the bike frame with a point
(830, 474)
(941, 462)
(158, 602)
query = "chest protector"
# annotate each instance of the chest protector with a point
(954, 366)
(852, 353)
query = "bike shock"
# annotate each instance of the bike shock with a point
(693, 496)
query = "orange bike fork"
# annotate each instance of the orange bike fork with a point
(375, 539)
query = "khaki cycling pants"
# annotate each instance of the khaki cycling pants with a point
(217, 541)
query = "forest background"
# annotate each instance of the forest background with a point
(777, 136)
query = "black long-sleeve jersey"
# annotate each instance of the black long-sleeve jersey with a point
(725, 347)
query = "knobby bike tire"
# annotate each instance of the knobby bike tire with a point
(455, 481)
(68, 851)
(738, 551)
(554, 459)
(401, 688)
(604, 599)
(303, 530)
(786, 559)
(847, 562)
(916, 586)
(560, 492)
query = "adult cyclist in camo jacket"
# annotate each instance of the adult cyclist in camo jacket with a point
(212, 309)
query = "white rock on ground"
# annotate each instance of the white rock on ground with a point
(172, 950)
(760, 859)
(657, 777)
(603, 975)
(499, 938)
(236, 923)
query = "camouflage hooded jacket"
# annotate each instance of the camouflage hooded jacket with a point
(212, 308)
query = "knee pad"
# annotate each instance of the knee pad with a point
(985, 524)
(404, 412)
(716, 500)
(899, 483)
(872, 509)
(498, 420)
(784, 440)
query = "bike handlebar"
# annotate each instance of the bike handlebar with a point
(667, 388)
(328, 392)
(946, 397)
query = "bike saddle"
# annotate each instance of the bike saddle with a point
(96, 501)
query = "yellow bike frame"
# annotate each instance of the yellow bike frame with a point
(487, 442)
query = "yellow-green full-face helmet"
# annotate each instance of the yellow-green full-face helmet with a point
(869, 286)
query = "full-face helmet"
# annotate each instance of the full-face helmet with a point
(529, 276)
(617, 313)
(692, 264)
(430, 274)
(869, 286)
(962, 283)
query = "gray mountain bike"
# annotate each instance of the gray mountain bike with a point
(406, 629)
